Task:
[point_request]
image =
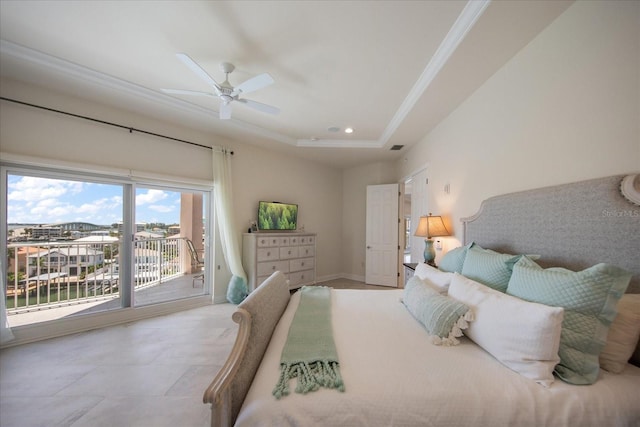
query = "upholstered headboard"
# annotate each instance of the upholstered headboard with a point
(571, 225)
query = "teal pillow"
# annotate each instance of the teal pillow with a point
(589, 298)
(444, 318)
(237, 290)
(453, 260)
(489, 267)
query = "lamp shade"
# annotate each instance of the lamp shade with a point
(431, 226)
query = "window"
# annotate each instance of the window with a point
(80, 243)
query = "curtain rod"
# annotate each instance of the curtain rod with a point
(129, 128)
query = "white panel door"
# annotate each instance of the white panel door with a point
(382, 235)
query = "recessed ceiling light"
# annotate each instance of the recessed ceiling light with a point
(348, 130)
(334, 129)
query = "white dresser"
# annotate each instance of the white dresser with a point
(294, 254)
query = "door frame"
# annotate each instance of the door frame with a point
(401, 213)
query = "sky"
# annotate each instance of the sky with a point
(34, 200)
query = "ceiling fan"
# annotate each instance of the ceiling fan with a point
(224, 90)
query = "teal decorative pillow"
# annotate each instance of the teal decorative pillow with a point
(237, 290)
(444, 318)
(453, 260)
(488, 267)
(589, 298)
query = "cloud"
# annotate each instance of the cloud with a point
(31, 188)
(45, 201)
(151, 196)
(162, 208)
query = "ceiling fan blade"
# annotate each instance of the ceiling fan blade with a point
(225, 111)
(269, 109)
(193, 66)
(253, 84)
(187, 92)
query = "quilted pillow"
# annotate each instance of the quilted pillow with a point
(453, 260)
(488, 267)
(433, 276)
(589, 298)
(522, 335)
(442, 317)
(623, 335)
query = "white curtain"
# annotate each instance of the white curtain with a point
(223, 202)
(5, 333)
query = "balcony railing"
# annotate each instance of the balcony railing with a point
(53, 274)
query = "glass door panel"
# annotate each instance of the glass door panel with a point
(168, 244)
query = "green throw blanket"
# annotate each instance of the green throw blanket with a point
(310, 353)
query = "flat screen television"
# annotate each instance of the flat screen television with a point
(277, 216)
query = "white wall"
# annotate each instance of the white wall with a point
(260, 174)
(564, 109)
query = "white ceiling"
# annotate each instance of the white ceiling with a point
(389, 69)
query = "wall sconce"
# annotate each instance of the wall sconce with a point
(430, 226)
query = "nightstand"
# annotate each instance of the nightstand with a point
(409, 270)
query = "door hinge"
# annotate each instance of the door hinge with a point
(398, 274)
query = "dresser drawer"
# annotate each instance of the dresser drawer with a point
(284, 241)
(267, 268)
(300, 277)
(268, 254)
(263, 241)
(306, 240)
(289, 252)
(307, 251)
(301, 264)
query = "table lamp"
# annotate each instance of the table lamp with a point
(430, 226)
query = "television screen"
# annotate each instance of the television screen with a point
(277, 216)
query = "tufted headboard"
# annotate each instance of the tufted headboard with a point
(571, 225)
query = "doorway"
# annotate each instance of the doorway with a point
(381, 260)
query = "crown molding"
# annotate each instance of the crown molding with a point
(465, 21)
(338, 143)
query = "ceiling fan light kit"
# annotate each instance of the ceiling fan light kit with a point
(226, 92)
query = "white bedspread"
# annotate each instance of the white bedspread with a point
(394, 376)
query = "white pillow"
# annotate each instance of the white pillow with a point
(433, 276)
(522, 335)
(623, 335)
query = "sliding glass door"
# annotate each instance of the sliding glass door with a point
(78, 243)
(168, 244)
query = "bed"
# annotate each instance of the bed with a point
(394, 374)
